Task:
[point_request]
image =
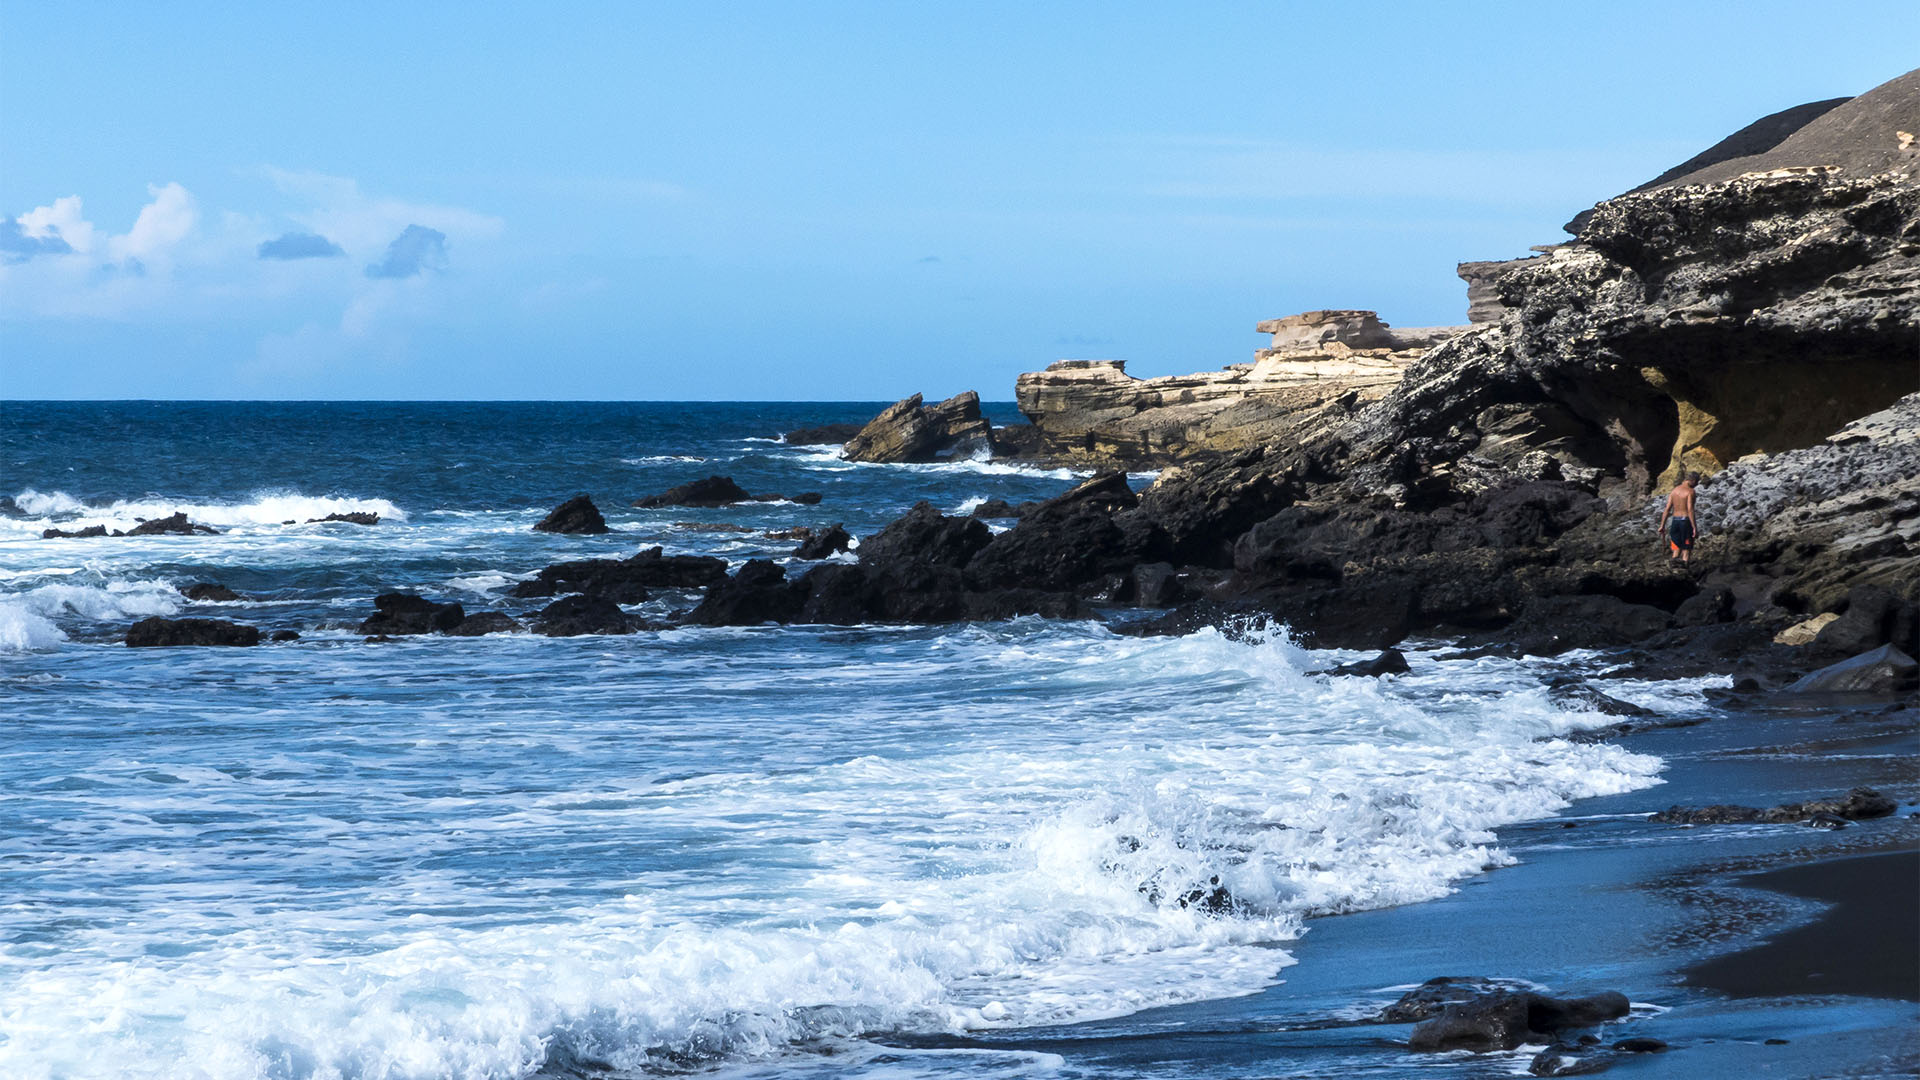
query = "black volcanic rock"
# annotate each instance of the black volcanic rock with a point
(824, 543)
(712, 491)
(1504, 1019)
(625, 581)
(177, 525)
(63, 534)
(1856, 805)
(210, 592)
(356, 517)
(717, 491)
(156, 632)
(577, 515)
(758, 592)
(1389, 662)
(571, 616)
(481, 623)
(923, 535)
(407, 613)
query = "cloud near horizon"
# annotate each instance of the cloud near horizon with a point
(300, 245)
(416, 250)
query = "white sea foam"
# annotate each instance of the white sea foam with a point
(61, 510)
(22, 630)
(828, 459)
(1039, 853)
(26, 618)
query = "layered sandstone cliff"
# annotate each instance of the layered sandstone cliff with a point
(1319, 367)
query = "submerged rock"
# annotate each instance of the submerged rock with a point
(1574, 695)
(356, 517)
(210, 592)
(156, 631)
(1389, 662)
(577, 515)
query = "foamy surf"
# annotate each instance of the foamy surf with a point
(56, 509)
(1209, 799)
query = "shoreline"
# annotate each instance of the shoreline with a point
(1704, 928)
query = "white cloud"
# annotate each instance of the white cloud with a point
(161, 226)
(365, 224)
(179, 262)
(62, 218)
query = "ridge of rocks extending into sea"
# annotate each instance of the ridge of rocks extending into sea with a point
(1496, 484)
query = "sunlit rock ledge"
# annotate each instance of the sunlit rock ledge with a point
(1319, 365)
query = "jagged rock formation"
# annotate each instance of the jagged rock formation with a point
(576, 515)
(1689, 327)
(909, 432)
(1320, 367)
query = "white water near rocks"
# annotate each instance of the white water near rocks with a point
(481, 857)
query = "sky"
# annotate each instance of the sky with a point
(813, 201)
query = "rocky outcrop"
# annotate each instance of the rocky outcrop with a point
(407, 613)
(576, 515)
(910, 432)
(716, 491)
(1503, 1019)
(625, 581)
(1688, 328)
(572, 616)
(210, 592)
(354, 517)
(77, 534)
(176, 525)
(158, 632)
(1857, 805)
(481, 623)
(824, 543)
(1321, 367)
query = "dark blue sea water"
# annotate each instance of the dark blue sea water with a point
(763, 848)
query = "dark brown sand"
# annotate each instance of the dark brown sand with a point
(1867, 944)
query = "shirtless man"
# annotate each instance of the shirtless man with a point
(1676, 521)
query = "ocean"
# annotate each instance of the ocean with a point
(819, 849)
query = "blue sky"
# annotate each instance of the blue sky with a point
(813, 201)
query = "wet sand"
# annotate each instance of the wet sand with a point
(1866, 945)
(1753, 950)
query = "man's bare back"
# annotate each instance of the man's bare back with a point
(1677, 520)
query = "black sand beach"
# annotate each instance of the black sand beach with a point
(1750, 950)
